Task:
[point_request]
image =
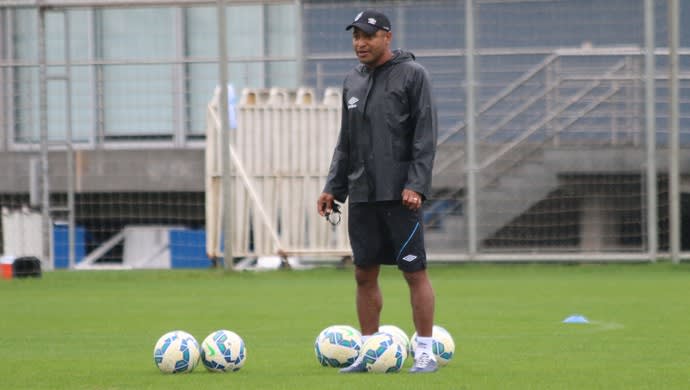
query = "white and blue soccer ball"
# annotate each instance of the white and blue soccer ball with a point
(382, 354)
(338, 346)
(223, 351)
(442, 346)
(176, 352)
(399, 336)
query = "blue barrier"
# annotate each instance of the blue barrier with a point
(188, 249)
(61, 245)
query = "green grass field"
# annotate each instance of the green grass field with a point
(96, 330)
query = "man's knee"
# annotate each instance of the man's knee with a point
(416, 277)
(366, 276)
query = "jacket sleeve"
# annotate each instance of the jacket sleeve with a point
(425, 125)
(337, 181)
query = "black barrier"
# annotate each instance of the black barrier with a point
(28, 266)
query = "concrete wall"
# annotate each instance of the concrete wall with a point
(161, 170)
(152, 170)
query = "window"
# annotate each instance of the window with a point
(255, 34)
(138, 98)
(26, 78)
(143, 73)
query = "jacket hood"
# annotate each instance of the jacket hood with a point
(399, 56)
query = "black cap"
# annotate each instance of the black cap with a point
(370, 21)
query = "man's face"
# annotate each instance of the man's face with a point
(371, 50)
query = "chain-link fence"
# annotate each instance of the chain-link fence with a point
(556, 165)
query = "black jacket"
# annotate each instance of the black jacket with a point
(388, 132)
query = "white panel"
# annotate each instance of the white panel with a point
(147, 246)
(22, 233)
(212, 180)
(284, 143)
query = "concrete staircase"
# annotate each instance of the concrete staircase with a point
(511, 194)
(503, 196)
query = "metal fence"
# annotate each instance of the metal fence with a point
(576, 147)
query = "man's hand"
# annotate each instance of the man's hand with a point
(325, 204)
(411, 199)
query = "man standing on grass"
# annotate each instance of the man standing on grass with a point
(383, 162)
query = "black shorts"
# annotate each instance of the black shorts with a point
(386, 233)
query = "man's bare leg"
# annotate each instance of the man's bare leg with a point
(423, 301)
(369, 304)
(369, 299)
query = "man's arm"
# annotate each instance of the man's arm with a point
(425, 123)
(336, 187)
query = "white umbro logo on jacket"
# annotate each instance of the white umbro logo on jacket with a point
(352, 103)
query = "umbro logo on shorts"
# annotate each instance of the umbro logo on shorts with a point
(409, 258)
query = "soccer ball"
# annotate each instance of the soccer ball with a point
(338, 346)
(399, 336)
(383, 354)
(223, 351)
(176, 352)
(443, 345)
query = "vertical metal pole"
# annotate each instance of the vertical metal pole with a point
(674, 138)
(263, 38)
(400, 24)
(319, 77)
(9, 23)
(97, 77)
(43, 128)
(69, 144)
(470, 112)
(650, 129)
(548, 99)
(179, 73)
(225, 134)
(4, 123)
(299, 49)
(556, 95)
(634, 113)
